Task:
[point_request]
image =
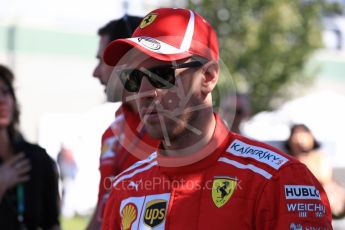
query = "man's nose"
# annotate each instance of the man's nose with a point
(96, 73)
(146, 89)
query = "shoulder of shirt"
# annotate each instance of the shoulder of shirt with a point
(256, 156)
(35, 153)
(139, 167)
(26, 146)
(109, 131)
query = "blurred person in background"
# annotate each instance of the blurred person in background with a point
(303, 145)
(29, 197)
(234, 109)
(115, 151)
(68, 171)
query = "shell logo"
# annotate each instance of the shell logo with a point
(129, 214)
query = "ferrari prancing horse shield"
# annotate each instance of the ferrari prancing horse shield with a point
(222, 189)
(147, 20)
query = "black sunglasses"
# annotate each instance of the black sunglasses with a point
(161, 77)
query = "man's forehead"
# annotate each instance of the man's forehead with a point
(103, 43)
(104, 40)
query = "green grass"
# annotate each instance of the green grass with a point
(75, 223)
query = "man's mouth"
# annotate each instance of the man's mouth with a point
(150, 115)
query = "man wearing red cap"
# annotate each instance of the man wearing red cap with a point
(202, 176)
(124, 133)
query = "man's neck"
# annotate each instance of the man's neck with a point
(190, 142)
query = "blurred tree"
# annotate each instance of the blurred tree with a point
(264, 43)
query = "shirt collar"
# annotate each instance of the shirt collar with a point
(201, 159)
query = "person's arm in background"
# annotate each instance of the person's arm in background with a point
(13, 172)
(106, 171)
(103, 194)
(94, 224)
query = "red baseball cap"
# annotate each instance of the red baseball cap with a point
(168, 34)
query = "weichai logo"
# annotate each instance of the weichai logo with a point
(155, 212)
(302, 192)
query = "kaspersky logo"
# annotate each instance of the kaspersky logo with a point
(155, 212)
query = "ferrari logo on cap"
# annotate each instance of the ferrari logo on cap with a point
(147, 20)
(222, 189)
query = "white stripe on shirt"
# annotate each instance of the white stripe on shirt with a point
(246, 166)
(147, 167)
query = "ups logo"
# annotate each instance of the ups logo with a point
(155, 212)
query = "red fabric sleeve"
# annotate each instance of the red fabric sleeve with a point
(111, 218)
(293, 199)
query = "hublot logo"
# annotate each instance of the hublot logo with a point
(301, 192)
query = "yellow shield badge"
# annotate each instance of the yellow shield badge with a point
(222, 189)
(147, 20)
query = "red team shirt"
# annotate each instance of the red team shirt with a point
(114, 157)
(242, 184)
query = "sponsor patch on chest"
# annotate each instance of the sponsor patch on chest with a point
(266, 156)
(155, 212)
(144, 212)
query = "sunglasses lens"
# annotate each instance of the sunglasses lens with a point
(131, 79)
(162, 77)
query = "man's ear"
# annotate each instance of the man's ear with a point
(210, 76)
